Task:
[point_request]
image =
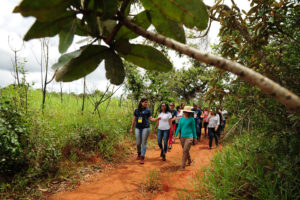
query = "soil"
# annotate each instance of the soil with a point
(124, 181)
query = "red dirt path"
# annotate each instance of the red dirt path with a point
(124, 181)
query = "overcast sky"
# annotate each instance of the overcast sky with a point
(15, 26)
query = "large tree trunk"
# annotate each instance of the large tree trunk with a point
(284, 96)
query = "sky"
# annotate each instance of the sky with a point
(13, 27)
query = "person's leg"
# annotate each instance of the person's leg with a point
(145, 134)
(198, 131)
(138, 134)
(210, 135)
(159, 141)
(182, 141)
(166, 139)
(170, 139)
(216, 136)
(205, 128)
(186, 149)
(174, 128)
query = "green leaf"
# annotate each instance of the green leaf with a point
(108, 8)
(192, 13)
(47, 29)
(78, 67)
(114, 68)
(64, 59)
(66, 37)
(141, 20)
(43, 10)
(166, 26)
(143, 56)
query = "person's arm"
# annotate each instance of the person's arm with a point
(156, 125)
(132, 124)
(178, 128)
(194, 129)
(154, 119)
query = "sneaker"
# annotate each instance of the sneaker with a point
(209, 148)
(189, 162)
(142, 161)
(170, 146)
(164, 157)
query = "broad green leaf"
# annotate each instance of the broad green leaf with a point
(44, 10)
(82, 29)
(114, 68)
(192, 13)
(66, 37)
(107, 26)
(140, 19)
(64, 59)
(78, 67)
(144, 56)
(47, 29)
(108, 8)
(166, 26)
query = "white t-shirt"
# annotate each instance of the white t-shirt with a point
(214, 121)
(164, 121)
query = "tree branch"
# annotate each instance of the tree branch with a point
(284, 96)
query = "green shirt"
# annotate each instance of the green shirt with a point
(186, 127)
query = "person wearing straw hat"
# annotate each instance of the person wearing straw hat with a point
(187, 129)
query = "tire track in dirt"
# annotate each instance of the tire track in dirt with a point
(124, 181)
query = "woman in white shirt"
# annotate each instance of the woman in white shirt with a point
(164, 126)
(213, 124)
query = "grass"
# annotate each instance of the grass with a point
(152, 182)
(62, 139)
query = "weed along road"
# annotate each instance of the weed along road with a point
(128, 180)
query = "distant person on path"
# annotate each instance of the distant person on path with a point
(142, 116)
(174, 116)
(182, 106)
(179, 115)
(164, 126)
(187, 129)
(225, 114)
(205, 120)
(197, 117)
(220, 128)
(213, 124)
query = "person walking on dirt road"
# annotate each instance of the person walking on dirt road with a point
(142, 116)
(187, 129)
(213, 125)
(164, 126)
(174, 116)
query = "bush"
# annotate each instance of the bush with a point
(256, 166)
(13, 139)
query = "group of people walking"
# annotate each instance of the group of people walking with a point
(184, 121)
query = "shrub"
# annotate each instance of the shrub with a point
(13, 139)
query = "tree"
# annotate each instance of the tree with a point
(109, 22)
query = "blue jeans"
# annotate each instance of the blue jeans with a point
(160, 135)
(141, 136)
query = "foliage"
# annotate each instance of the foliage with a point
(256, 166)
(102, 20)
(44, 141)
(13, 138)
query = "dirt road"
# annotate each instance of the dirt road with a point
(124, 181)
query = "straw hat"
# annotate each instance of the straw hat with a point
(188, 109)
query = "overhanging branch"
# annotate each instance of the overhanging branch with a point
(284, 96)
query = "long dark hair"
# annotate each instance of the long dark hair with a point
(167, 107)
(140, 107)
